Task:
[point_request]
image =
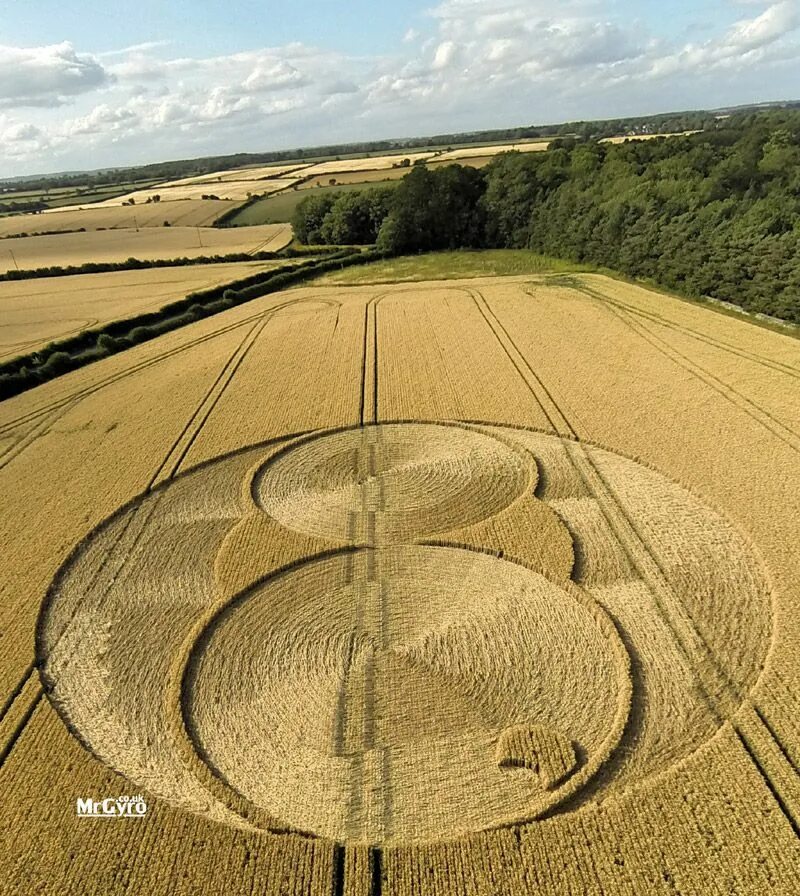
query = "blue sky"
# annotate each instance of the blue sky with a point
(209, 28)
(91, 84)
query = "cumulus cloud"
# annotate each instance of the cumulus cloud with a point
(469, 64)
(748, 41)
(103, 119)
(339, 87)
(273, 74)
(20, 140)
(446, 53)
(483, 47)
(46, 76)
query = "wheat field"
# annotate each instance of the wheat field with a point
(235, 185)
(229, 189)
(261, 172)
(471, 152)
(188, 213)
(38, 311)
(483, 586)
(148, 243)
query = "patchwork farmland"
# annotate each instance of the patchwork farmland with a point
(186, 213)
(205, 199)
(479, 586)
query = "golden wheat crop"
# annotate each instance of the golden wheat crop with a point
(193, 193)
(223, 189)
(370, 163)
(351, 177)
(483, 586)
(188, 213)
(149, 243)
(35, 312)
(351, 167)
(262, 172)
(623, 138)
(470, 152)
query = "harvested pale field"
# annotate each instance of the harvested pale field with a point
(373, 163)
(35, 312)
(623, 138)
(263, 172)
(237, 190)
(468, 162)
(479, 586)
(469, 152)
(231, 189)
(149, 243)
(379, 167)
(186, 213)
(353, 177)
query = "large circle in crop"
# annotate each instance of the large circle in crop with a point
(343, 632)
(391, 482)
(361, 697)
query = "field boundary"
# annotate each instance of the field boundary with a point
(28, 371)
(140, 264)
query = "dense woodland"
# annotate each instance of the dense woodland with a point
(712, 214)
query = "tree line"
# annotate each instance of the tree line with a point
(715, 213)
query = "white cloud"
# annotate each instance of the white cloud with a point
(775, 22)
(20, 140)
(46, 76)
(445, 54)
(339, 87)
(748, 41)
(273, 74)
(529, 46)
(473, 64)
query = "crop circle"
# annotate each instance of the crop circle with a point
(361, 696)
(433, 678)
(391, 483)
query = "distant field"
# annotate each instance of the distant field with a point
(186, 213)
(148, 243)
(280, 208)
(386, 168)
(623, 139)
(263, 172)
(236, 185)
(69, 196)
(238, 190)
(376, 163)
(469, 152)
(92, 196)
(12, 195)
(468, 162)
(36, 312)
(229, 189)
(354, 178)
